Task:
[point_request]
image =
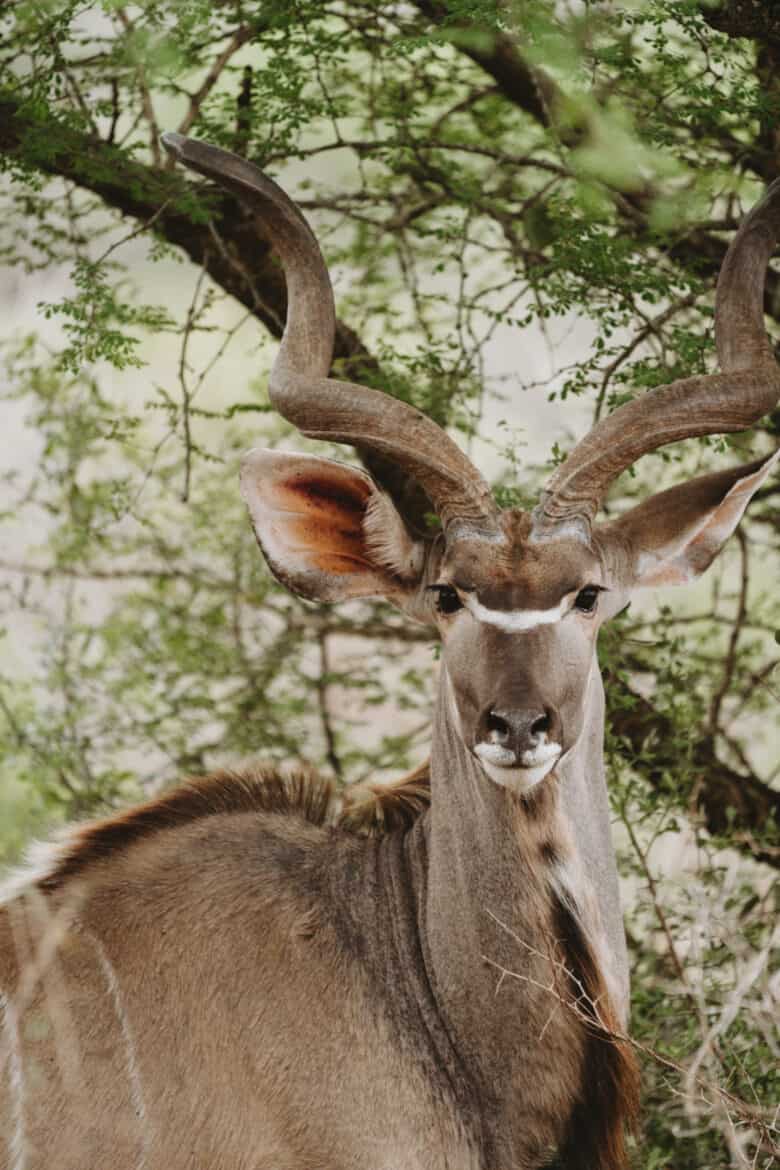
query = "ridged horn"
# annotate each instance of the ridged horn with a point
(319, 406)
(747, 388)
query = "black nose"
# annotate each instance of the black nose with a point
(520, 731)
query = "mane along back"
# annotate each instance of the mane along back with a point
(296, 792)
(372, 810)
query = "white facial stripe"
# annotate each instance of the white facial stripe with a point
(516, 619)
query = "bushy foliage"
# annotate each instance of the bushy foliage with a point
(476, 173)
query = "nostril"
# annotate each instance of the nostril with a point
(541, 725)
(498, 729)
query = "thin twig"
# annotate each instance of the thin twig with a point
(590, 1016)
(114, 110)
(239, 38)
(331, 754)
(739, 620)
(146, 97)
(193, 313)
(625, 353)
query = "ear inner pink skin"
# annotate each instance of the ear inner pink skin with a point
(310, 517)
(325, 520)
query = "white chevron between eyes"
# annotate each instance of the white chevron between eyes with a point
(516, 619)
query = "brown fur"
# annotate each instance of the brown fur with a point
(608, 1107)
(201, 1000)
(300, 792)
(608, 1103)
(327, 509)
(610, 1100)
(517, 573)
(375, 809)
(256, 788)
(609, 1095)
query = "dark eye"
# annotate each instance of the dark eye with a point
(447, 600)
(586, 599)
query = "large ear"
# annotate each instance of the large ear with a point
(675, 535)
(327, 531)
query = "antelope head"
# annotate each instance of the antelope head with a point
(518, 597)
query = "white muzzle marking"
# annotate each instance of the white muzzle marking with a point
(501, 765)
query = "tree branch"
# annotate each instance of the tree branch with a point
(237, 41)
(243, 266)
(227, 244)
(754, 19)
(528, 89)
(729, 801)
(533, 91)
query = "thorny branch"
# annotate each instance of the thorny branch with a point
(588, 1012)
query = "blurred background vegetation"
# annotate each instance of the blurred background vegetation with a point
(525, 207)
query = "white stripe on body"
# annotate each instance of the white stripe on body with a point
(131, 1060)
(17, 1139)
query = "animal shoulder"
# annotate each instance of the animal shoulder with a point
(297, 793)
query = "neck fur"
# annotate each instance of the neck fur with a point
(513, 937)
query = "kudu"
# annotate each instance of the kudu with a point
(230, 977)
